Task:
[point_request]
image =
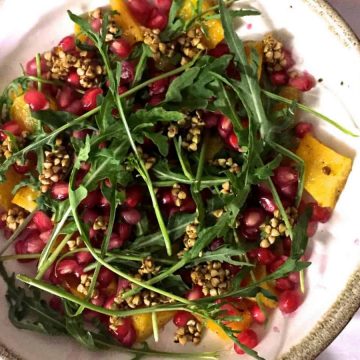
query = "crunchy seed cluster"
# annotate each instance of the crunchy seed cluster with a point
(157, 47)
(9, 145)
(212, 277)
(148, 267)
(100, 223)
(172, 131)
(83, 287)
(178, 194)
(115, 321)
(192, 332)
(60, 64)
(228, 163)
(226, 188)
(113, 31)
(74, 244)
(14, 217)
(191, 44)
(274, 53)
(276, 227)
(55, 166)
(193, 135)
(149, 160)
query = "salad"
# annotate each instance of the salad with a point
(153, 169)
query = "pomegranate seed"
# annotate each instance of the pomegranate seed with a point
(121, 48)
(165, 196)
(22, 169)
(320, 214)
(127, 72)
(93, 199)
(220, 50)
(89, 99)
(96, 24)
(60, 190)
(125, 333)
(42, 221)
(12, 127)
(116, 242)
(155, 100)
(181, 318)
(294, 277)
(131, 216)
(134, 195)
(289, 301)
(253, 217)
(158, 87)
(124, 230)
(104, 202)
(284, 284)
(234, 270)
(268, 203)
(277, 264)
(225, 127)
(36, 100)
(89, 216)
(211, 119)
(84, 258)
(249, 233)
(188, 205)
(45, 236)
(56, 304)
(81, 134)
(248, 338)
(31, 68)
(141, 10)
(65, 267)
(287, 246)
(195, 293)
(311, 228)
(122, 89)
(65, 97)
(73, 79)
(289, 191)
(105, 277)
(76, 108)
(289, 61)
(157, 20)
(34, 245)
(257, 314)
(216, 243)
(302, 128)
(233, 141)
(67, 44)
(265, 256)
(110, 303)
(163, 5)
(98, 300)
(122, 284)
(303, 82)
(285, 175)
(279, 78)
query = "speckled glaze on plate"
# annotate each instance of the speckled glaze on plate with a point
(326, 47)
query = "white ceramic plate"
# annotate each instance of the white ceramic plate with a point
(326, 48)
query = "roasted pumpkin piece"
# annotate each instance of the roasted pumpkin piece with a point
(26, 197)
(132, 30)
(12, 178)
(326, 171)
(143, 323)
(287, 92)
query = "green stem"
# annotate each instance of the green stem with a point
(16, 233)
(155, 326)
(309, 110)
(204, 183)
(38, 70)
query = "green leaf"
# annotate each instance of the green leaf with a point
(53, 119)
(104, 118)
(175, 25)
(83, 154)
(265, 171)
(153, 116)
(161, 141)
(300, 237)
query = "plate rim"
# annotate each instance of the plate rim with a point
(348, 302)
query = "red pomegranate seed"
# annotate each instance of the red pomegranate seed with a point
(257, 314)
(67, 44)
(294, 277)
(249, 233)
(84, 258)
(211, 119)
(155, 100)
(122, 284)
(36, 100)
(134, 195)
(76, 107)
(216, 243)
(81, 134)
(110, 303)
(158, 20)
(42, 221)
(195, 293)
(60, 190)
(125, 333)
(312, 227)
(121, 48)
(284, 284)
(131, 216)
(141, 10)
(289, 61)
(93, 199)
(320, 214)
(34, 245)
(181, 318)
(289, 191)
(12, 127)
(96, 24)
(163, 5)
(188, 205)
(265, 256)
(253, 217)
(220, 50)
(289, 301)
(302, 128)
(287, 246)
(89, 99)
(98, 300)
(45, 236)
(65, 267)
(104, 202)
(248, 338)
(285, 175)
(22, 169)
(122, 89)
(279, 78)
(277, 264)
(165, 196)
(105, 277)
(31, 67)
(127, 72)
(56, 304)
(73, 79)
(116, 242)
(233, 141)
(65, 97)
(89, 216)
(124, 230)
(267, 203)
(158, 87)
(234, 270)
(225, 127)
(303, 82)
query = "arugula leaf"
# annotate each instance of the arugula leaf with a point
(153, 116)
(264, 172)
(104, 118)
(161, 141)
(53, 118)
(175, 24)
(300, 237)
